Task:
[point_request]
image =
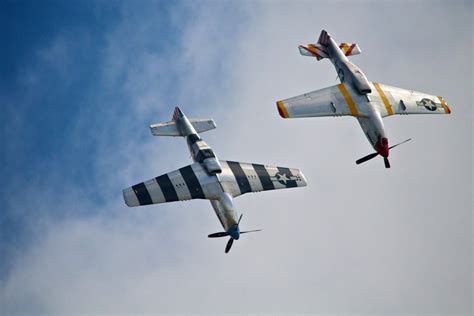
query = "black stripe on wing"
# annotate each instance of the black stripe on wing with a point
(264, 177)
(167, 188)
(242, 181)
(192, 182)
(142, 194)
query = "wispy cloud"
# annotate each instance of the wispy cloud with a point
(356, 240)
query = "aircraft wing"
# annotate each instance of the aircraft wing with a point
(190, 182)
(393, 100)
(343, 100)
(193, 182)
(336, 100)
(239, 178)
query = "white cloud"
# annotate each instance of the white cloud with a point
(356, 240)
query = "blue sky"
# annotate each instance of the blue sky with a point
(82, 81)
(58, 95)
(52, 66)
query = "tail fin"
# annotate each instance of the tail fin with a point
(171, 128)
(324, 38)
(177, 114)
(321, 49)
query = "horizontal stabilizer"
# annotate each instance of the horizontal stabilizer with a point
(350, 49)
(165, 129)
(170, 128)
(313, 50)
(203, 125)
(319, 51)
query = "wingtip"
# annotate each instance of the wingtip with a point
(129, 197)
(281, 109)
(446, 108)
(303, 179)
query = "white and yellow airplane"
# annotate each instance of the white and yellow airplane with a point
(355, 96)
(209, 178)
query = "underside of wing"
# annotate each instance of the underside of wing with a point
(239, 178)
(193, 182)
(393, 100)
(331, 101)
(190, 182)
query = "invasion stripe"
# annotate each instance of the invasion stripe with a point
(142, 194)
(167, 188)
(192, 182)
(192, 138)
(155, 191)
(242, 181)
(264, 177)
(287, 171)
(388, 107)
(348, 98)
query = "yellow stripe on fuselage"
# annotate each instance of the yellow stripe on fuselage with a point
(349, 100)
(388, 107)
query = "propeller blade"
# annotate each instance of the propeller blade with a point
(399, 143)
(240, 219)
(251, 231)
(219, 234)
(368, 157)
(229, 245)
(387, 163)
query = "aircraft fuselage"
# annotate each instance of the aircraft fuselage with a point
(202, 153)
(349, 73)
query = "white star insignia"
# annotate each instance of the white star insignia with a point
(282, 177)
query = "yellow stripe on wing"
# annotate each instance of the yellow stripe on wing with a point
(388, 107)
(282, 110)
(446, 108)
(349, 100)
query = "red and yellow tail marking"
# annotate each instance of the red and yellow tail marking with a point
(388, 107)
(346, 48)
(349, 100)
(313, 50)
(282, 110)
(446, 108)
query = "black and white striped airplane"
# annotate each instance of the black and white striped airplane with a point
(209, 178)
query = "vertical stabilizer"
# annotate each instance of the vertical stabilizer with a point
(177, 114)
(324, 38)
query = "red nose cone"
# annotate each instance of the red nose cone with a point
(382, 147)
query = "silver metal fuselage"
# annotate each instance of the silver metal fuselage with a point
(370, 121)
(224, 206)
